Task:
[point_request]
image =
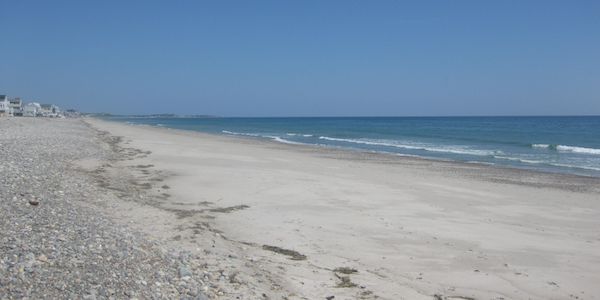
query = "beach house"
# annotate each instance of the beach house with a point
(32, 109)
(5, 109)
(16, 106)
(49, 110)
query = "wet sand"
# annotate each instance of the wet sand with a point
(308, 223)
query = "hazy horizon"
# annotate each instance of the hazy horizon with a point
(192, 115)
(309, 58)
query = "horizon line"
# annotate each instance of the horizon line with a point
(350, 116)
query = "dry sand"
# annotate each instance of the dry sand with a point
(283, 218)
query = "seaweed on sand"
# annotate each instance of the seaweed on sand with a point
(345, 270)
(229, 209)
(293, 255)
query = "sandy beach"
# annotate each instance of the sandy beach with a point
(308, 223)
(105, 210)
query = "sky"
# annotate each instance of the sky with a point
(304, 58)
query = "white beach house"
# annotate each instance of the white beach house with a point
(32, 109)
(50, 110)
(16, 106)
(5, 109)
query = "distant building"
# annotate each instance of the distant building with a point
(71, 113)
(16, 106)
(50, 110)
(5, 109)
(32, 109)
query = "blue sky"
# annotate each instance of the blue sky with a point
(304, 58)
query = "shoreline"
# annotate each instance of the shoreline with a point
(562, 180)
(533, 153)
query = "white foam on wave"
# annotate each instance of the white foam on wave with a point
(454, 150)
(298, 134)
(574, 149)
(240, 133)
(571, 149)
(547, 163)
(282, 140)
(545, 146)
(529, 161)
(273, 137)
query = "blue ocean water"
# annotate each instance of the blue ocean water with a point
(555, 144)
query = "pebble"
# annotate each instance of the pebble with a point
(184, 272)
(66, 247)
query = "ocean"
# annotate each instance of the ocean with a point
(551, 144)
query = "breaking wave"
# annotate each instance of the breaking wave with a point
(454, 150)
(547, 163)
(275, 138)
(571, 149)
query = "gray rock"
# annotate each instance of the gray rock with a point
(184, 271)
(201, 296)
